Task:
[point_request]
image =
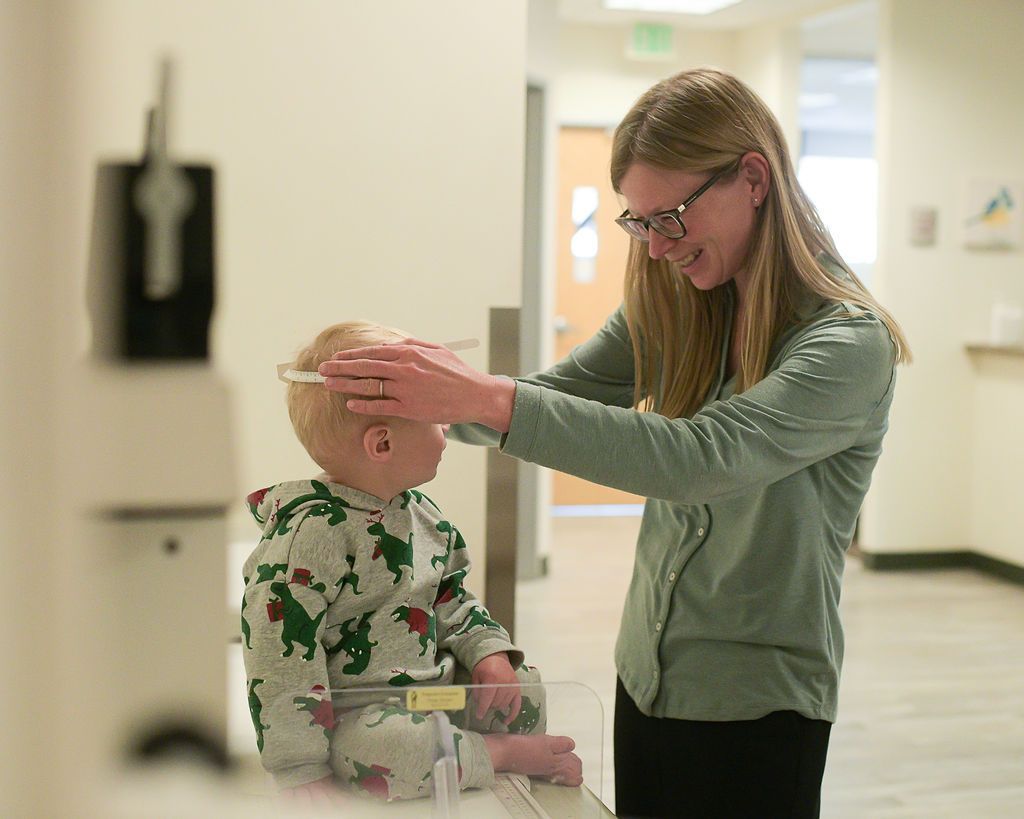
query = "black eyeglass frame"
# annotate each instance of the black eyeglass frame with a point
(675, 214)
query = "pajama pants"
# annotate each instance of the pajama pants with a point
(387, 751)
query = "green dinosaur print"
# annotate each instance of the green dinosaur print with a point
(254, 500)
(318, 704)
(413, 495)
(442, 558)
(396, 552)
(455, 539)
(419, 621)
(245, 626)
(526, 720)
(401, 677)
(333, 513)
(372, 779)
(255, 711)
(333, 507)
(270, 571)
(397, 711)
(477, 617)
(357, 644)
(298, 626)
(451, 587)
(351, 578)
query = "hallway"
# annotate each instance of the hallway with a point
(931, 708)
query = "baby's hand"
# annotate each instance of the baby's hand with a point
(495, 669)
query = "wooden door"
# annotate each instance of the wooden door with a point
(589, 280)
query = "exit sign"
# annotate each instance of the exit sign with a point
(651, 41)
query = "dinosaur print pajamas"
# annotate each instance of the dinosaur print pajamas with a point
(346, 592)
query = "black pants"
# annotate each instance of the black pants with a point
(768, 768)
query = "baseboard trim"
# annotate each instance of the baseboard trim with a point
(961, 559)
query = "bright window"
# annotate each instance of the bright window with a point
(845, 192)
(584, 237)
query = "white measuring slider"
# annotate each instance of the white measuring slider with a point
(286, 373)
(514, 794)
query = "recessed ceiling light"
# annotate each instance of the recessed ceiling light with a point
(671, 6)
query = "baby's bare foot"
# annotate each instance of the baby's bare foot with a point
(536, 755)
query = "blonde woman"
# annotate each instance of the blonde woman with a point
(743, 387)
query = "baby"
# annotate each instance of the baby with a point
(358, 583)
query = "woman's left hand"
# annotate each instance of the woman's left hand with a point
(422, 381)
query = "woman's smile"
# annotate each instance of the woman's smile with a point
(689, 259)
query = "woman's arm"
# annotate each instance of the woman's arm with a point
(815, 404)
(600, 369)
(428, 382)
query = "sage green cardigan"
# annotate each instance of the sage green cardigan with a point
(733, 607)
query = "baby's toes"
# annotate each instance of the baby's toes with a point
(568, 771)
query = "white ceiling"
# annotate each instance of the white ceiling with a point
(744, 13)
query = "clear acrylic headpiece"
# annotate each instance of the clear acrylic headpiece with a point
(286, 373)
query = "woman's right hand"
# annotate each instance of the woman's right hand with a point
(421, 381)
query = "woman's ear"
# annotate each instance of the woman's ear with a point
(756, 173)
(377, 443)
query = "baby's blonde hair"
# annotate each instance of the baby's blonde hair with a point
(319, 416)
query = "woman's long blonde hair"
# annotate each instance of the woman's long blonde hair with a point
(699, 121)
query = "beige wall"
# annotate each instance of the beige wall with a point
(363, 172)
(951, 473)
(321, 118)
(768, 59)
(27, 360)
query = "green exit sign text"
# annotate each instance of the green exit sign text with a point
(651, 41)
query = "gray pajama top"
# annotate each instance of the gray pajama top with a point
(349, 591)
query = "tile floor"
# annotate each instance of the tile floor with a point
(931, 714)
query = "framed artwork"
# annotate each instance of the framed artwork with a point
(993, 219)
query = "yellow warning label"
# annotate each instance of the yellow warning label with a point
(447, 698)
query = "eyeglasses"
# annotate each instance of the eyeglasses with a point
(669, 223)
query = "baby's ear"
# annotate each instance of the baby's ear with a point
(377, 441)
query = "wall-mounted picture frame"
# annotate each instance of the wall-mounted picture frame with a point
(993, 217)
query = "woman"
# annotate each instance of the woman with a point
(743, 387)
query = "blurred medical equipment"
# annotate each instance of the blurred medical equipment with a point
(150, 474)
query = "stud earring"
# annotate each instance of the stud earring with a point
(755, 201)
